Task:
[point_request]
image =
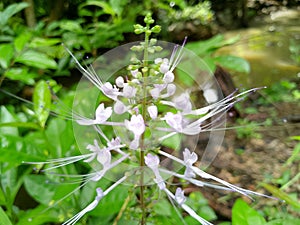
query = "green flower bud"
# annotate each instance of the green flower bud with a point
(137, 48)
(138, 29)
(156, 29)
(148, 19)
(153, 41)
(158, 48)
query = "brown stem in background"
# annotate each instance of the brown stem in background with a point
(30, 14)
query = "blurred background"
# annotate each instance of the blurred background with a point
(246, 43)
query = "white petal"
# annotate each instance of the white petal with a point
(152, 110)
(120, 81)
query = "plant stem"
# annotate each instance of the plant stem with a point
(142, 145)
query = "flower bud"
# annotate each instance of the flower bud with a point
(120, 81)
(156, 29)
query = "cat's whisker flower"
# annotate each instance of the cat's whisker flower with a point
(93, 204)
(152, 161)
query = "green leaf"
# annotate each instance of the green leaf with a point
(7, 117)
(284, 221)
(4, 220)
(6, 54)
(21, 74)
(60, 137)
(104, 5)
(233, 62)
(42, 102)
(36, 59)
(22, 40)
(43, 42)
(40, 188)
(71, 25)
(173, 142)
(281, 195)
(39, 216)
(243, 214)
(10, 11)
(163, 208)
(202, 48)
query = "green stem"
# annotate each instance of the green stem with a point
(144, 106)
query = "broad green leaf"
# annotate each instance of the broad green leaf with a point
(13, 152)
(172, 142)
(7, 117)
(4, 220)
(60, 137)
(21, 74)
(42, 102)
(36, 59)
(10, 11)
(202, 48)
(40, 188)
(233, 62)
(281, 195)
(243, 214)
(6, 54)
(163, 208)
(42, 42)
(104, 5)
(21, 40)
(39, 216)
(71, 25)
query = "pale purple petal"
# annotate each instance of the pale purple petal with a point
(152, 110)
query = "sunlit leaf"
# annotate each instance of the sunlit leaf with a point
(21, 40)
(42, 102)
(36, 59)
(21, 74)
(243, 214)
(233, 62)
(4, 220)
(6, 54)
(10, 11)
(39, 216)
(7, 117)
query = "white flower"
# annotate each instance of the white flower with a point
(152, 110)
(175, 121)
(134, 73)
(171, 88)
(182, 102)
(164, 67)
(189, 159)
(120, 81)
(129, 91)
(102, 114)
(152, 161)
(210, 95)
(179, 196)
(119, 107)
(90, 207)
(155, 93)
(93, 205)
(110, 91)
(168, 77)
(137, 126)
